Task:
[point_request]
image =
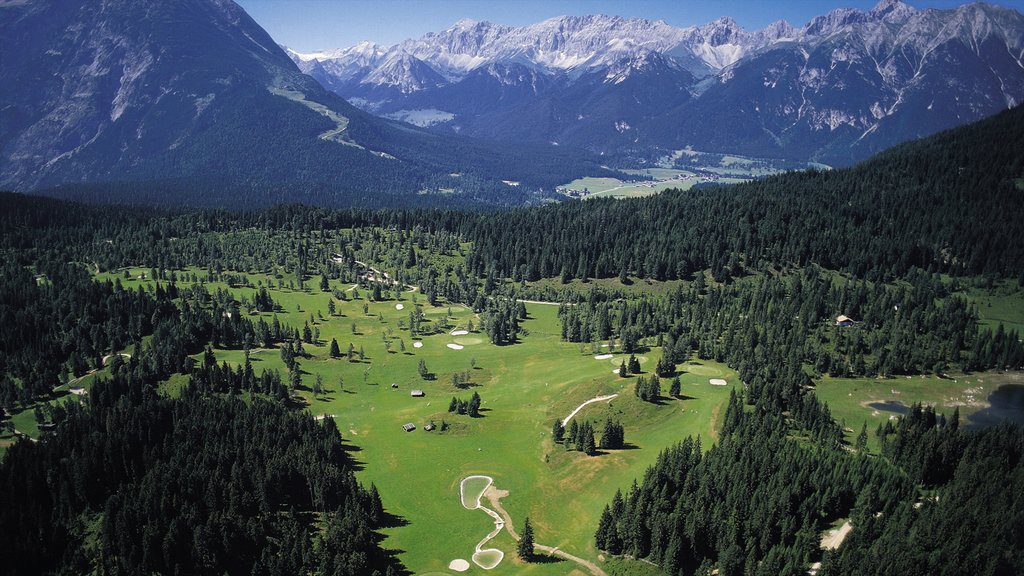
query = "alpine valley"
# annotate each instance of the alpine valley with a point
(844, 86)
(341, 313)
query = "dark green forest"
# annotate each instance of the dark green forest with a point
(233, 477)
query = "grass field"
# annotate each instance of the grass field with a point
(1003, 304)
(615, 188)
(524, 388)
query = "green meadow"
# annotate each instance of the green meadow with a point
(524, 388)
(851, 399)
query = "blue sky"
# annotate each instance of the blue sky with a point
(308, 25)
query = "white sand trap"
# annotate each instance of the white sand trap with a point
(400, 307)
(616, 371)
(417, 344)
(603, 356)
(459, 565)
(456, 346)
(717, 382)
(460, 332)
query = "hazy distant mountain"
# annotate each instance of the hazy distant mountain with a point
(846, 84)
(195, 99)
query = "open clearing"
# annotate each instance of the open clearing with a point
(525, 387)
(834, 537)
(856, 401)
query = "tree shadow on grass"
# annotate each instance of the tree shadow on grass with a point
(545, 559)
(351, 461)
(390, 520)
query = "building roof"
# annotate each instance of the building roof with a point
(841, 318)
(417, 393)
(409, 427)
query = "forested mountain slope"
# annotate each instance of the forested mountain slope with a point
(948, 203)
(193, 103)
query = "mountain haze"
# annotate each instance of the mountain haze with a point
(843, 86)
(194, 99)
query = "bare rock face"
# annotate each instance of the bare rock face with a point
(843, 86)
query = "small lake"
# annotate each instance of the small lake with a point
(894, 406)
(1007, 403)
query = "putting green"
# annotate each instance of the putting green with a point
(702, 370)
(469, 340)
(617, 360)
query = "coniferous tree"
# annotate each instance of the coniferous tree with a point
(675, 389)
(524, 548)
(558, 431)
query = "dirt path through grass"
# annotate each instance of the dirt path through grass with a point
(580, 407)
(494, 496)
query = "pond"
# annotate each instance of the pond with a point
(1006, 403)
(890, 406)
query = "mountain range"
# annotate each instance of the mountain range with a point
(845, 85)
(192, 102)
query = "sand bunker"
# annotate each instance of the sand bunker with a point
(399, 306)
(459, 565)
(417, 344)
(603, 356)
(717, 382)
(456, 346)
(460, 332)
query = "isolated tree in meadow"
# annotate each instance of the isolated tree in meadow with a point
(318, 386)
(623, 370)
(422, 369)
(525, 546)
(324, 284)
(453, 405)
(335, 351)
(331, 309)
(675, 389)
